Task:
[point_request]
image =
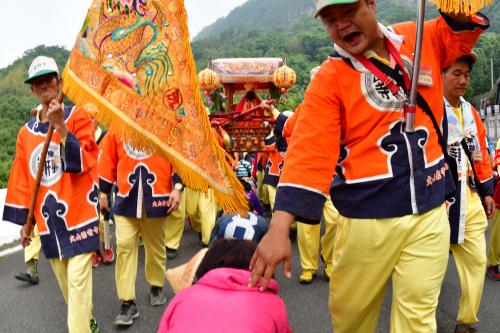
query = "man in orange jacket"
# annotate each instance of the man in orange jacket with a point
(148, 190)
(66, 209)
(393, 221)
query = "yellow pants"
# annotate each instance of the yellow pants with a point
(494, 253)
(262, 188)
(413, 249)
(470, 258)
(74, 276)
(32, 251)
(128, 230)
(308, 239)
(271, 191)
(174, 226)
(201, 210)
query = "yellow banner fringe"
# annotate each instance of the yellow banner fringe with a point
(467, 7)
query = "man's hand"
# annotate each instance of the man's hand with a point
(174, 200)
(55, 115)
(274, 247)
(26, 235)
(266, 105)
(104, 204)
(489, 206)
(269, 109)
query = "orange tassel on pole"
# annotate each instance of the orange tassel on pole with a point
(467, 7)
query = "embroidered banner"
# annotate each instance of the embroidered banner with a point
(132, 64)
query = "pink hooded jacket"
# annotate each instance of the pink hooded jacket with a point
(221, 301)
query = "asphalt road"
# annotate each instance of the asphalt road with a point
(40, 309)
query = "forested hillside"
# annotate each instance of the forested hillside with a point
(263, 14)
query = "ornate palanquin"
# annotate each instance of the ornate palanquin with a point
(245, 131)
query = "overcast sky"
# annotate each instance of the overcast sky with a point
(25, 24)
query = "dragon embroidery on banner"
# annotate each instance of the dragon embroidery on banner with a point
(127, 44)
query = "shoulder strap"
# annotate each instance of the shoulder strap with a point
(103, 133)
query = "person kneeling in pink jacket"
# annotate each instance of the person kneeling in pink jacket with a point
(221, 301)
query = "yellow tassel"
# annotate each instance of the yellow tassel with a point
(467, 7)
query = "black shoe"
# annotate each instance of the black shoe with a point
(27, 277)
(31, 274)
(460, 328)
(156, 296)
(171, 253)
(128, 312)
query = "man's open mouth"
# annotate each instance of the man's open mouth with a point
(349, 38)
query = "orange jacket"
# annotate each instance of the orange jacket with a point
(276, 146)
(144, 181)
(66, 210)
(348, 114)
(274, 164)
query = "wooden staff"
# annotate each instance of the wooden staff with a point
(28, 227)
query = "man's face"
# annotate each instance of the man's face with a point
(352, 26)
(45, 88)
(456, 79)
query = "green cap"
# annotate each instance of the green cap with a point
(320, 4)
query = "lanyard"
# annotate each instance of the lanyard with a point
(389, 82)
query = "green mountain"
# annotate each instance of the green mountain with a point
(260, 13)
(264, 14)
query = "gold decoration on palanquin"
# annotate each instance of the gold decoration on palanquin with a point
(208, 79)
(284, 77)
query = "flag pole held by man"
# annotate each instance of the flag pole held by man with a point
(390, 185)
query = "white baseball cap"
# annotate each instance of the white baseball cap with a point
(40, 66)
